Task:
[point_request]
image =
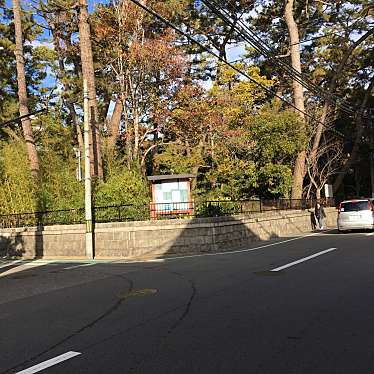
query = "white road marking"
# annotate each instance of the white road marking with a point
(49, 363)
(7, 264)
(37, 263)
(21, 267)
(304, 259)
(192, 256)
(78, 266)
(242, 250)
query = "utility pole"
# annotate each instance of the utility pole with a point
(87, 175)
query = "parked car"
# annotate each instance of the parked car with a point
(355, 215)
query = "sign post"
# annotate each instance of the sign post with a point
(329, 191)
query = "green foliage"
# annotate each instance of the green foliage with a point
(17, 190)
(229, 142)
(238, 142)
(275, 180)
(60, 189)
(218, 208)
(175, 160)
(278, 135)
(122, 186)
(232, 178)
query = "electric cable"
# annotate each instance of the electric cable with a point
(343, 105)
(248, 35)
(235, 68)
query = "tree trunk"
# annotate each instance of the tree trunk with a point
(88, 74)
(113, 126)
(136, 133)
(298, 97)
(318, 194)
(22, 94)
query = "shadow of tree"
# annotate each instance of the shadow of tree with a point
(207, 235)
(12, 246)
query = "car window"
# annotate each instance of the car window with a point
(355, 206)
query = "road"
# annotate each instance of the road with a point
(301, 304)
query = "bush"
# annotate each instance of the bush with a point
(17, 190)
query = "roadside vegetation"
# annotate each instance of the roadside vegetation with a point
(289, 114)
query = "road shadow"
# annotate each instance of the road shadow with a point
(222, 233)
(207, 235)
(353, 231)
(39, 241)
(12, 246)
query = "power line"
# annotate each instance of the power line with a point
(207, 49)
(269, 52)
(301, 78)
(18, 119)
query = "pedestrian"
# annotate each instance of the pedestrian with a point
(313, 221)
(320, 214)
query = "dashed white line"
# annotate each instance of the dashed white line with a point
(46, 364)
(304, 259)
(78, 266)
(20, 267)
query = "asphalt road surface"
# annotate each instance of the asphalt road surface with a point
(296, 305)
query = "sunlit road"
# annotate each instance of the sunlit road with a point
(298, 305)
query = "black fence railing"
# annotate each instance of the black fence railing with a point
(53, 217)
(156, 211)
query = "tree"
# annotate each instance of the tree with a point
(323, 165)
(62, 26)
(22, 94)
(352, 158)
(298, 96)
(146, 70)
(238, 144)
(331, 75)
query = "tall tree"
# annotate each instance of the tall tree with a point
(22, 93)
(298, 96)
(145, 67)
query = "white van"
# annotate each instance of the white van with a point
(355, 215)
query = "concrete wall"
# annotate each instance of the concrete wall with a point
(157, 238)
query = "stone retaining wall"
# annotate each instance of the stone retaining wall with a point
(157, 238)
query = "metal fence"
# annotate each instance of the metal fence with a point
(156, 211)
(53, 217)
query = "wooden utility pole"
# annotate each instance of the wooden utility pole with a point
(88, 73)
(87, 176)
(22, 94)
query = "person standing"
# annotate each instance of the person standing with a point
(320, 214)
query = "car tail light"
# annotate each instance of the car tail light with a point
(340, 208)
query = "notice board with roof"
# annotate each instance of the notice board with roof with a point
(171, 194)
